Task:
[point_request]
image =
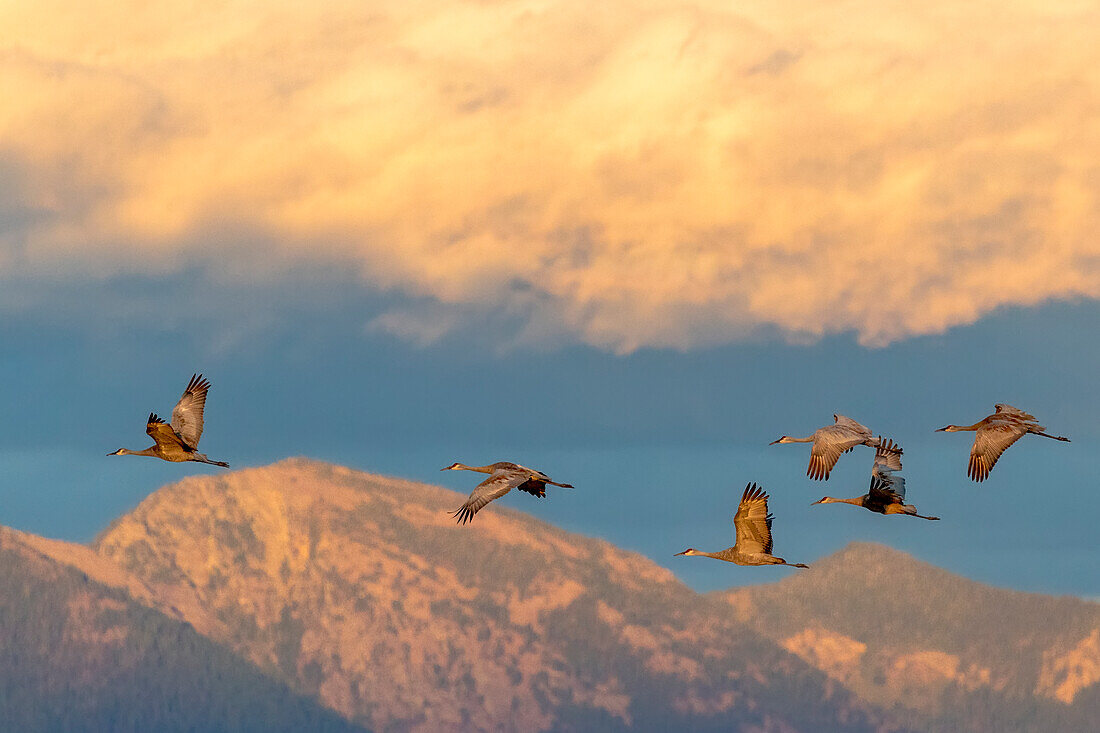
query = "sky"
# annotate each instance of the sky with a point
(629, 245)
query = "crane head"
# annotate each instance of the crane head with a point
(824, 500)
(119, 452)
(782, 439)
(947, 429)
(453, 467)
(688, 551)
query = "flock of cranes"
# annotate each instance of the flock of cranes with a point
(178, 441)
(887, 492)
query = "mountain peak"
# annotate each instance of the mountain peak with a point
(859, 550)
(362, 591)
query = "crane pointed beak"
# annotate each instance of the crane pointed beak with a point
(774, 442)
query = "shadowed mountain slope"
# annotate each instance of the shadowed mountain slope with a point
(898, 631)
(361, 590)
(77, 654)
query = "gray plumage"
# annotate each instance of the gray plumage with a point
(503, 477)
(831, 441)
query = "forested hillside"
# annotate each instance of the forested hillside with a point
(76, 655)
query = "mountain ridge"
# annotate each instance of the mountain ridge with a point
(496, 622)
(359, 591)
(878, 620)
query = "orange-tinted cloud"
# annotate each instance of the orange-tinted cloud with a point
(628, 174)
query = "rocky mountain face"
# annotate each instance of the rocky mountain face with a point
(938, 649)
(78, 652)
(362, 592)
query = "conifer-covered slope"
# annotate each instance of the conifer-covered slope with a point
(77, 654)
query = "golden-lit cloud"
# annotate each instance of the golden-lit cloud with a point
(667, 173)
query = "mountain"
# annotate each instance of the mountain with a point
(80, 652)
(360, 591)
(907, 635)
(303, 582)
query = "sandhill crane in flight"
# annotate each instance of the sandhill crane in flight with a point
(752, 534)
(994, 434)
(179, 441)
(503, 477)
(887, 492)
(832, 440)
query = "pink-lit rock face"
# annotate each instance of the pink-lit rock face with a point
(1066, 672)
(834, 654)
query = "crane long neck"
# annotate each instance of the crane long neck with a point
(479, 469)
(854, 501)
(789, 439)
(150, 451)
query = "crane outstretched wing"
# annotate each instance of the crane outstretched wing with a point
(187, 414)
(1004, 409)
(829, 443)
(847, 422)
(162, 433)
(497, 485)
(534, 487)
(889, 490)
(887, 457)
(989, 443)
(752, 524)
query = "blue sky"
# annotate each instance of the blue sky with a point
(659, 442)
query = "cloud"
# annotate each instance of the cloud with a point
(667, 174)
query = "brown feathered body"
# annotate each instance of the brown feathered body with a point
(994, 434)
